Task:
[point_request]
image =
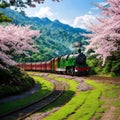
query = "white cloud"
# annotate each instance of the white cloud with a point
(12, 7)
(66, 21)
(44, 12)
(89, 12)
(83, 21)
(94, 8)
(103, 3)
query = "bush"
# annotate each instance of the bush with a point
(92, 71)
(14, 81)
(112, 65)
(108, 66)
(95, 65)
(115, 70)
(116, 67)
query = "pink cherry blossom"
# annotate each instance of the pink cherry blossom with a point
(105, 36)
(15, 40)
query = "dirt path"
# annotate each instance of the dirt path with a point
(109, 114)
(104, 79)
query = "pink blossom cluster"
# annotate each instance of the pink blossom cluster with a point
(15, 40)
(105, 36)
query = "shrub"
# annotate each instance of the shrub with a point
(14, 81)
(108, 66)
(116, 67)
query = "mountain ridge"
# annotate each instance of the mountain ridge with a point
(56, 38)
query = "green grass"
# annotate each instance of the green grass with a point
(81, 106)
(87, 110)
(72, 104)
(112, 91)
(72, 83)
(66, 96)
(75, 104)
(45, 88)
(85, 105)
(69, 108)
(31, 72)
(111, 97)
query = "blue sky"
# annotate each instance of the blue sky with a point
(77, 13)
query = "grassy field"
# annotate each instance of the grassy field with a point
(86, 105)
(74, 104)
(80, 106)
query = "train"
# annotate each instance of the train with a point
(72, 64)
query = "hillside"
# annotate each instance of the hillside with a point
(56, 38)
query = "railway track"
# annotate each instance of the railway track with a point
(28, 110)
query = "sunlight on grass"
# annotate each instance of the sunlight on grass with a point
(85, 105)
(74, 104)
(73, 84)
(69, 108)
(86, 111)
(80, 106)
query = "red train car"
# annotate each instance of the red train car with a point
(34, 66)
(48, 66)
(27, 66)
(43, 66)
(38, 66)
(21, 65)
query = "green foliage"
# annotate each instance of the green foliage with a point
(111, 67)
(56, 38)
(3, 4)
(108, 66)
(93, 64)
(45, 88)
(14, 81)
(115, 74)
(4, 18)
(116, 67)
(20, 5)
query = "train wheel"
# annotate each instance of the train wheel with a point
(72, 71)
(67, 71)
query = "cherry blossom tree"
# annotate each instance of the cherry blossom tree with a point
(15, 40)
(105, 36)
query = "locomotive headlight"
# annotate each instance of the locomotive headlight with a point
(76, 70)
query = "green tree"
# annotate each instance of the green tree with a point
(4, 18)
(22, 3)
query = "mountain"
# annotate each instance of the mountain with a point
(56, 38)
